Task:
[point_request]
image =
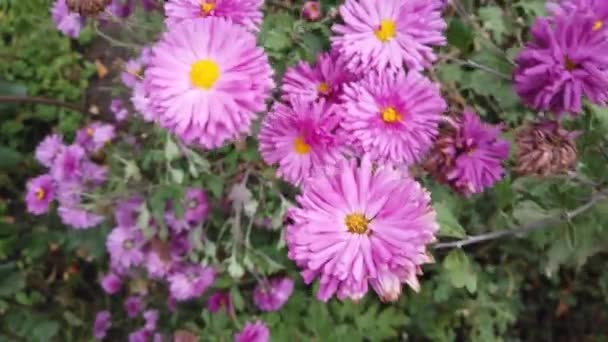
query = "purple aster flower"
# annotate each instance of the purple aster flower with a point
(139, 335)
(95, 135)
(360, 221)
(389, 33)
(151, 317)
(394, 117)
(202, 91)
(125, 246)
(120, 111)
(159, 261)
(121, 8)
(301, 138)
(94, 174)
(133, 305)
(78, 218)
(272, 295)
(219, 300)
(253, 332)
(244, 12)
(312, 10)
(190, 282)
(565, 61)
(133, 72)
(596, 9)
(103, 322)
(469, 156)
(141, 101)
(322, 80)
(40, 193)
(69, 23)
(48, 149)
(127, 211)
(67, 166)
(180, 246)
(149, 5)
(111, 283)
(196, 205)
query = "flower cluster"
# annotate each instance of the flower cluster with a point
(70, 15)
(565, 61)
(72, 171)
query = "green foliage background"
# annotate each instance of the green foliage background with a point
(544, 286)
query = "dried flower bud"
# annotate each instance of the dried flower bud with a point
(87, 7)
(312, 10)
(545, 149)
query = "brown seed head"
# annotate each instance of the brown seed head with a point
(87, 7)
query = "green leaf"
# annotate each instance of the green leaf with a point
(448, 223)
(460, 35)
(459, 270)
(493, 20)
(171, 150)
(9, 158)
(12, 280)
(529, 211)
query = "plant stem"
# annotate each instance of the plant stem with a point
(525, 228)
(41, 100)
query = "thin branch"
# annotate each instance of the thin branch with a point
(473, 64)
(41, 100)
(525, 228)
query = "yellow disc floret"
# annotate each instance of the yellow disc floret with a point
(300, 146)
(356, 223)
(387, 30)
(204, 73)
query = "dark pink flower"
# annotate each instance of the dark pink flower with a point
(103, 322)
(272, 295)
(253, 332)
(40, 193)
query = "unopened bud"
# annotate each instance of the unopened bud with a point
(312, 10)
(87, 7)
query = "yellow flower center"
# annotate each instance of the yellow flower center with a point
(356, 223)
(569, 64)
(300, 146)
(323, 88)
(90, 131)
(207, 7)
(204, 73)
(390, 115)
(386, 32)
(40, 193)
(598, 25)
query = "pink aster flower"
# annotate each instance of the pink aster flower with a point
(244, 12)
(190, 282)
(94, 136)
(132, 73)
(111, 283)
(596, 9)
(151, 318)
(301, 138)
(67, 166)
(103, 322)
(69, 23)
(196, 206)
(219, 300)
(40, 193)
(394, 117)
(119, 110)
(127, 211)
(253, 332)
(469, 156)
(322, 80)
(78, 218)
(565, 61)
(272, 295)
(353, 225)
(48, 149)
(208, 89)
(389, 33)
(125, 246)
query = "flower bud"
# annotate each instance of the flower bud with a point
(312, 10)
(87, 7)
